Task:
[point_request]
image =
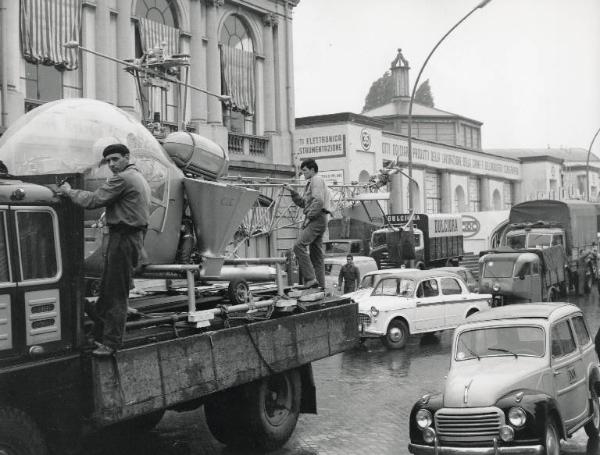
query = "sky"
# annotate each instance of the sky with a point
(528, 69)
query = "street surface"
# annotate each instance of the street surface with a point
(364, 399)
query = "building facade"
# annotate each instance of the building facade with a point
(241, 49)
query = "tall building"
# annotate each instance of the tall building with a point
(238, 48)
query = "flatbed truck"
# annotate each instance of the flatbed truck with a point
(249, 364)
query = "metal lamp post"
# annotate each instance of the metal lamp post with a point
(412, 96)
(587, 167)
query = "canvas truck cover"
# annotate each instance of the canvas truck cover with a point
(577, 218)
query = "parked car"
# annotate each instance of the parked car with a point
(333, 265)
(410, 301)
(466, 275)
(521, 378)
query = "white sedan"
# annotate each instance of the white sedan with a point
(409, 301)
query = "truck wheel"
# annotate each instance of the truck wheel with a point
(551, 439)
(238, 291)
(223, 416)
(19, 435)
(397, 335)
(273, 407)
(592, 428)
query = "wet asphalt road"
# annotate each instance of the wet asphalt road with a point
(364, 398)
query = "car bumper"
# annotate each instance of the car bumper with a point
(418, 449)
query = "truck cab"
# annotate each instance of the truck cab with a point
(534, 238)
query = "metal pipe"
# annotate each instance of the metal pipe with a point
(414, 90)
(3, 71)
(587, 167)
(254, 261)
(151, 72)
(191, 291)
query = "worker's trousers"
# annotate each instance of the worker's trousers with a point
(124, 253)
(312, 263)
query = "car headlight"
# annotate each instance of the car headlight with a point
(423, 418)
(429, 435)
(507, 434)
(517, 417)
(374, 311)
(496, 287)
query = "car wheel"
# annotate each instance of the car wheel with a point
(592, 428)
(397, 335)
(551, 440)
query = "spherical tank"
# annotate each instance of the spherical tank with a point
(69, 135)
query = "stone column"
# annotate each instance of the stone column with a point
(197, 63)
(103, 68)
(14, 104)
(484, 194)
(290, 72)
(259, 108)
(269, 73)
(125, 49)
(446, 192)
(213, 64)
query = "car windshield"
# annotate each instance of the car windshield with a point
(337, 247)
(538, 240)
(501, 341)
(395, 287)
(516, 241)
(379, 238)
(498, 269)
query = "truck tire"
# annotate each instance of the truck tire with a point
(273, 407)
(238, 291)
(19, 435)
(397, 335)
(223, 416)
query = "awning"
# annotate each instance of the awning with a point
(154, 34)
(45, 27)
(237, 71)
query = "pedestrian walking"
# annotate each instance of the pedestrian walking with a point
(126, 197)
(315, 204)
(349, 275)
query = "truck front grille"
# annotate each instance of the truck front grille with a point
(464, 426)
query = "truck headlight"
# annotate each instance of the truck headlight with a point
(507, 433)
(429, 435)
(374, 311)
(517, 417)
(423, 418)
(496, 287)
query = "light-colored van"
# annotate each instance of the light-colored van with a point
(334, 264)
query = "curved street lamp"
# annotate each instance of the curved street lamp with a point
(412, 96)
(587, 167)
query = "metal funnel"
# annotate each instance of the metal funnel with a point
(217, 210)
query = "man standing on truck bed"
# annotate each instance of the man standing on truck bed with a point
(315, 202)
(349, 274)
(126, 196)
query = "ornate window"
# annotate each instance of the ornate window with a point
(42, 84)
(474, 194)
(157, 30)
(433, 195)
(237, 75)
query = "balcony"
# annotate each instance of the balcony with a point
(247, 146)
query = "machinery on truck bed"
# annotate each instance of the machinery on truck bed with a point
(571, 225)
(248, 364)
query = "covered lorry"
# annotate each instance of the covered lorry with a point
(525, 275)
(570, 224)
(426, 240)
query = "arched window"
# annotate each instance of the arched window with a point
(157, 30)
(237, 71)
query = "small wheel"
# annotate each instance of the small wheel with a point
(551, 439)
(19, 435)
(238, 291)
(397, 335)
(592, 428)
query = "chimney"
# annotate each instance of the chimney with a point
(400, 69)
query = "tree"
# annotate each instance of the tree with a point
(423, 95)
(382, 92)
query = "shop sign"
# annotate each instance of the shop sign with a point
(321, 146)
(470, 226)
(333, 177)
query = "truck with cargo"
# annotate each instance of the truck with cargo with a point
(572, 225)
(419, 240)
(249, 365)
(527, 275)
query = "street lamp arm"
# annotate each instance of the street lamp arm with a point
(587, 167)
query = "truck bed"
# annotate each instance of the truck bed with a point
(158, 375)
